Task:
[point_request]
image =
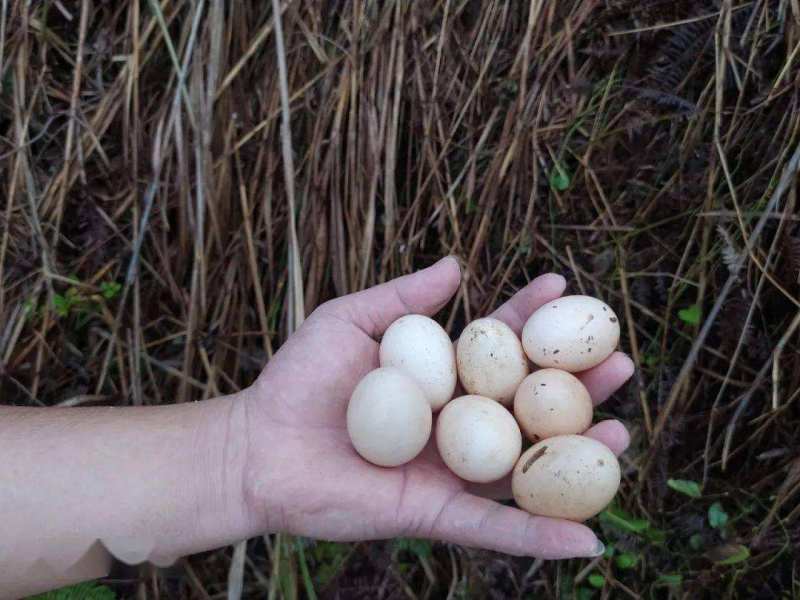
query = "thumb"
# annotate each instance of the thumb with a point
(423, 292)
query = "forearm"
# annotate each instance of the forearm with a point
(149, 483)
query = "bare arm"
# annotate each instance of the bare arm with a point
(148, 483)
(156, 483)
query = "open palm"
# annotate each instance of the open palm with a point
(304, 477)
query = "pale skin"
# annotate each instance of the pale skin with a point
(157, 483)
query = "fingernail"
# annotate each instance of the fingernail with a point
(599, 549)
(450, 257)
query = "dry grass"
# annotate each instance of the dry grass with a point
(649, 151)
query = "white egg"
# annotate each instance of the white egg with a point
(490, 360)
(478, 439)
(389, 420)
(568, 476)
(572, 333)
(552, 402)
(418, 346)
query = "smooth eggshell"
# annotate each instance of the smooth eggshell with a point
(389, 420)
(478, 439)
(418, 346)
(572, 333)
(552, 402)
(567, 476)
(490, 360)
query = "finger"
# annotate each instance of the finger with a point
(521, 305)
(611, 433)
(477, 522)
(423, 292)
(607, 377)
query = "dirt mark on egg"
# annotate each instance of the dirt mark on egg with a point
(536, 456)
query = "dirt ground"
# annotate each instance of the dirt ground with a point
(151, 250)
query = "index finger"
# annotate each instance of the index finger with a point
(515, 311)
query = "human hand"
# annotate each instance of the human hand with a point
(303, 476)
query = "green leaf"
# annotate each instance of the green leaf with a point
(596, 580)
(61, 304)
(311, 593)
(690, 315)
(609, 551)
(618, 518)
(626, 561)
(559, 178)
(685, 487)
(110, 289)
(328, 560)
(420, 548)
(651, 360)
(670, 579)
(696, 541)
(81, 591)
(729, 554)
(657, 536)
(717, 517)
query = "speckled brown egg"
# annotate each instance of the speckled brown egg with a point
(490, 360)
(568, 476)
(552, 402)
(572, 333)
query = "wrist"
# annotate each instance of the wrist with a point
(221, 451)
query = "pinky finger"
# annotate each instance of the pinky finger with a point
(611, 433)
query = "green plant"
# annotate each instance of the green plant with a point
(626, 560)
(690, 315)
(685, 487)
(328, 559)
(729, 554)
(717, 517)
(559, 178)
(596, 580)
(670, 579)
(110, 289)
(65, 303)
(81, 591)
(419, 548)
(584, 593)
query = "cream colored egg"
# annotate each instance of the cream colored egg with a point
(478, 439)
(389, 420)
(567, 476)
(490, 360)
(572, 333)
(418, 346)
(552, 402)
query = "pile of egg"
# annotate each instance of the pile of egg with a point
(480, 434)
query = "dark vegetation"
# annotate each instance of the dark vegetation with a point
(647, 150)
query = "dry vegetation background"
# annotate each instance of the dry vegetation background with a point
(152, 249)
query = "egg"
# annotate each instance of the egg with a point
(490, 360)
(568, 476)
(478, 439)
(418, 346)
(389, 419)
(552, 402)
(572, 333)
